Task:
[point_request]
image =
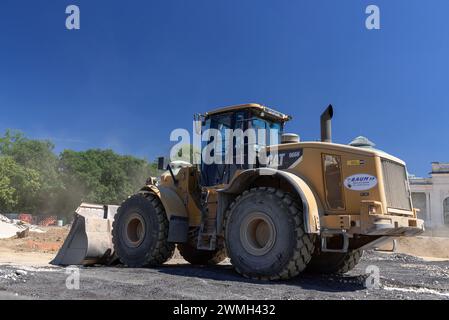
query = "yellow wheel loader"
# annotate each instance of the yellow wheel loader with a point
(310, 206)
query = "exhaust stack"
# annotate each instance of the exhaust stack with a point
(326, 124)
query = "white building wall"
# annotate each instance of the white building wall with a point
(436, 190)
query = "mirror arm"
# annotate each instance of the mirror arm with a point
(175, 181)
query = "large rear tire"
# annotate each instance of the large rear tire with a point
(264, 235)
(334, 262)
(201, 257)
(140, 232)
(195, 256)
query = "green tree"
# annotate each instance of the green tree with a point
(35, 155)
(102, 176)
(187, 152)
(18, 186)
(34, 179)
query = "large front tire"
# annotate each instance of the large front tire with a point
(140, 232)
(264, 235)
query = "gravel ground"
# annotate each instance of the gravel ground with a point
(401, 277)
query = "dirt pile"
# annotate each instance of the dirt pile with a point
(8, 229)
(46, 242)
(427, 247)
(4, 219)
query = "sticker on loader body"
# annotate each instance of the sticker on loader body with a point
(285, 159)
(360, 182)
(355, 162)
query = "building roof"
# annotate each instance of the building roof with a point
(440, 167)
(270, 112)
(362, 142)
(419, 180)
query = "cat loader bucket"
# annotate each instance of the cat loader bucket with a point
(90, 238)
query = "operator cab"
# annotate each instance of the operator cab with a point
(267, 124)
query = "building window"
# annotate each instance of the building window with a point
(446, 211)
(420, 202)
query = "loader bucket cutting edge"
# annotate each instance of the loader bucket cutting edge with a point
(89, 240)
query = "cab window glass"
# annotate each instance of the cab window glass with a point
(263, 124)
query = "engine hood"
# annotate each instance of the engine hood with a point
(337, 147)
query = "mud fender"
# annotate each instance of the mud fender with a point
(176, 211)
(311, 205)
(172, 202)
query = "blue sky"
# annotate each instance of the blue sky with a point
(138, 69)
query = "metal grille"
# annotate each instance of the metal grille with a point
(396, 185)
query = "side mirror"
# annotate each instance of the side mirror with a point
(162, 163)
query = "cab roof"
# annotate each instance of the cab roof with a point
(255, 106)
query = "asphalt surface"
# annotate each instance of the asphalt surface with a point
(400, 277)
